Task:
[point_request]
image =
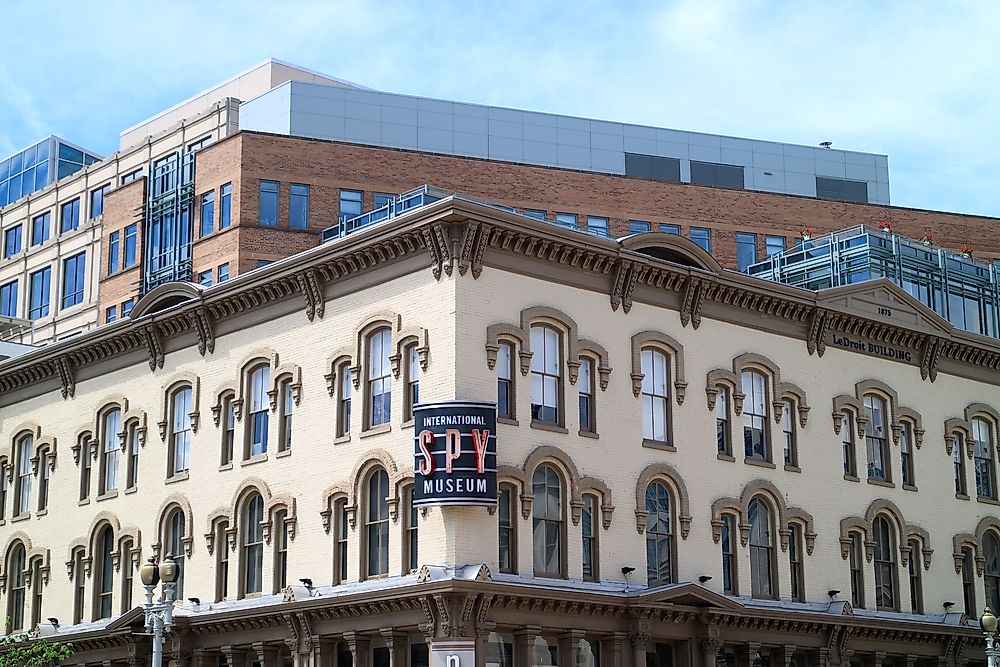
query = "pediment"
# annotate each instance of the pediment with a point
(884, 301)
(166, 296)
(671, 248)
(689, 595)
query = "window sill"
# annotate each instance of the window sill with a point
(283, 453)
(84, 501)
(722, 456)
(760, 463)
(408, 423)
(376, 430)
(41, 513)
(253, 460)
(987, 501)
(341, 439)
(790, 468)
(961, 496)
(226, 466)
(20, 517)
(589, 434)
(851, 478)
(510, 421)
(131, 489)
(107, 496)
(177, 477)
(909, 487)
(546, 426)
(658, 444)
(874, 481)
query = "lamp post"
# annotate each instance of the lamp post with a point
(159, 615)
(988, 624)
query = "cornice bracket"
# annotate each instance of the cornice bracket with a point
(468, 247)
(929, 358)
(202, 321)
(67, 376)
(154, 347)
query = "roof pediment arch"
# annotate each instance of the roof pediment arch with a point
(166, 296)
(671, 248)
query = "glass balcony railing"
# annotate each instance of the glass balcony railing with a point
(958, 288)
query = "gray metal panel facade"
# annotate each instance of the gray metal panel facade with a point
(453, 128)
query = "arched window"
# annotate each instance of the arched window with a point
(659, 535)
(761, 550)
(789, 444)
(340, 541)
(546, 371)
(885, 564)
(85, 465)
(756, 444)
(3, 489)
(377, 524)
(44, 477)
(507, 537)
(180, 431)
(22, 475)
(285, 412)
(875, 437)
(958, 464)
(655, 395)
(252, 557)
(175, 546)
(585, 382)
(730, 583)
(722, 436)
(221, 561)
(991, 572)
(505, 381)
(412, 358)
(280, 549)
(257, 384)
(79, 585)
(847, 445)
(111, 426)
(15, 587)
(982, 437)
(795, 563)
(968, 583)
(856, 561)
(36, 591)
(104, 579)
(379, 383)
(588, 524)
(127, 572)
(906, 454)
(916, 586)
(547, 522)
(228, 421)
(410, 543)
(344, 400)
(132, 462)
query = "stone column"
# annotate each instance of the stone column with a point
(569, 647)
(202, 658)
(524, 642)
(267, 655)
(323, 652)
(397, 645)
(360, 647)
(235, 657)
(613, 646)
(787, 653)
(640, 642)
(710, 647)
(483, 631)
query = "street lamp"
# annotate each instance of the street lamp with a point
(988, 623)
(159, 615)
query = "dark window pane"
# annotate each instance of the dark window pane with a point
(841, 189)
(719, 175)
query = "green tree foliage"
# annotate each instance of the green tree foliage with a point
(23, 650)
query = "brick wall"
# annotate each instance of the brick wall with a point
(122, 207)
(328, 166)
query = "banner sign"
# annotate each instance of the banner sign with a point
(455, 453)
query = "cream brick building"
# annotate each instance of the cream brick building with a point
(631, 526)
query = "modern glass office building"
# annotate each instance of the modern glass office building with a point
(958, 288)
(35, 167)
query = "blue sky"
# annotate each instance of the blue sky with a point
(916, 80)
